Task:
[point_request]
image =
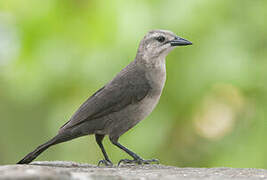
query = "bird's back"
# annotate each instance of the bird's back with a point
(128, 98)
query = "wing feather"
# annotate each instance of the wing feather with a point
(128, 87)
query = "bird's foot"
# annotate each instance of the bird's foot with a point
(105, 163)
(138, 161)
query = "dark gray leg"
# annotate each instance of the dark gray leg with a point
(105, 161)
(136, 159)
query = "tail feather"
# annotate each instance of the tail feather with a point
(32, 155)
(61, 137)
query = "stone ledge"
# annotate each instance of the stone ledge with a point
(74, 171)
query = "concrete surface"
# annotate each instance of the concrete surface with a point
(74, 171)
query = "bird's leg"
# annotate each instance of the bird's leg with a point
(105, 161)
(136, 159)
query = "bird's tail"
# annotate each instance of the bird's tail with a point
(61, 137)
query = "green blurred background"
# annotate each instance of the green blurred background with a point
(54, 54)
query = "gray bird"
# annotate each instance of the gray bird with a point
(124, 101)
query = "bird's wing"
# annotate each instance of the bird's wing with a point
(128, 87)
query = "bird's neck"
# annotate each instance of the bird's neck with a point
(151, 62)
(155, 71)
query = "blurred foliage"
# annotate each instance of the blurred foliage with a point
(54, 54)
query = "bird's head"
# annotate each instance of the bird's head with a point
(158, 43)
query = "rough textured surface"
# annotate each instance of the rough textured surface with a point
(74, 171)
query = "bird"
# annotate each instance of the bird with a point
(123, 102)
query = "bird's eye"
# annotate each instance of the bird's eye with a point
(160, 39)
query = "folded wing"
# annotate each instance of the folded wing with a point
(128, 87)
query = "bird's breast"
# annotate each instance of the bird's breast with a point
(156, 78)
(137, 111)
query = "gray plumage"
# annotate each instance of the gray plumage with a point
(124, 101)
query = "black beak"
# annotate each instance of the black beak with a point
(177, 41)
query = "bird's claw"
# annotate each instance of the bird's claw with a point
(105, 163)
(138, 161)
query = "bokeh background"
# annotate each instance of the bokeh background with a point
(54, 54)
